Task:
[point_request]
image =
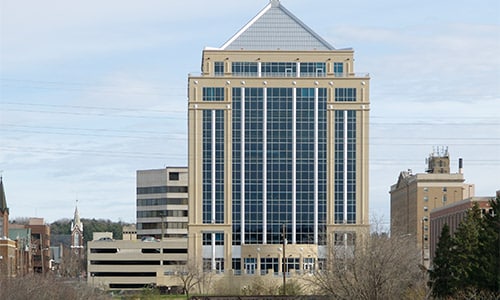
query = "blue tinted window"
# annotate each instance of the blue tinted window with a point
(219, 68)
(213, 94)
(207, 238)
(279, 123)
(245, 68)
(312, 69)
(213, 165)
(279, 69)
(345, 158)
(236, 160)
(338, 68)
(345, 94)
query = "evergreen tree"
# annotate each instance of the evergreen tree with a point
(442, 279)
(489, 276)
(468, 248)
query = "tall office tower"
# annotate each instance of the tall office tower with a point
(162, 203)
(278, 147)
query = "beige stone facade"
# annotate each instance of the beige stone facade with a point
(414, 196)
(134, 264)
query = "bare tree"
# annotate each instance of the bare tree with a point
(193, 276)
(381, 267)
(47, 287)
(261, 286)
(71, 264)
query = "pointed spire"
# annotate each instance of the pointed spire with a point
(76, 219)
(3, 200)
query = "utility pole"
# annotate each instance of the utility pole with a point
(284, 257)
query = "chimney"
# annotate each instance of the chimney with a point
(460, 166)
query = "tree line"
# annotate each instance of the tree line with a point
(63, 226)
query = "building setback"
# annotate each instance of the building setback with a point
(278, 146)
(415, 195)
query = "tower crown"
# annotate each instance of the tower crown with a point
(276, 28)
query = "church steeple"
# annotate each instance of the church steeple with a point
(4, 212)
(76, 220)
(77, 232)
(3, 200)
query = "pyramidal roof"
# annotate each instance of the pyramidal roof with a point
(275, 28)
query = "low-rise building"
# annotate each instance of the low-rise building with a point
(452, 215)
(134, 264)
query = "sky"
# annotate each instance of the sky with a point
(91, 91)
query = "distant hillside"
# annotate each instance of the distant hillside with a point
(63, 227)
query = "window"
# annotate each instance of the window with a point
(312, 69)
(338, 68)
(445, 198)
(345, 94)
(76, 239)
(345, 238)
(213, 94)
(245, 68)
(219, 68)
(426, 198)
(322, 264)
(279, 69)
(152, 190)
(161, 213)
(219, 238)
(176, 225)
(250, 265)
(426, 189)
(162, 201)
(426, 208)
(161, 189)
(174, 176)
(445, 189)
(177, 189)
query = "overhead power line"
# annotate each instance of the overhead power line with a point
(105, 108)
(164, 155)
